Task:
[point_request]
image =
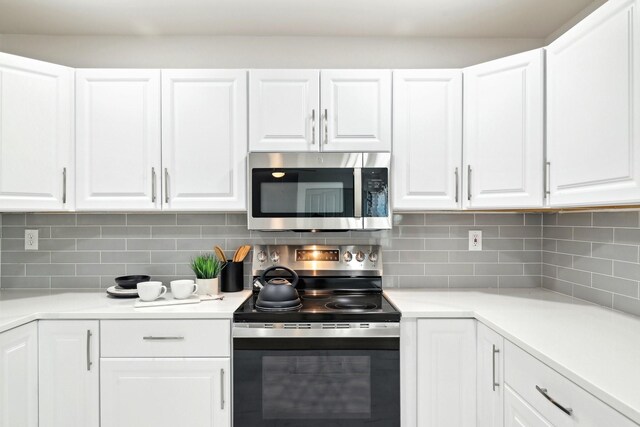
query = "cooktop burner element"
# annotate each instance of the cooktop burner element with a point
(343, 287)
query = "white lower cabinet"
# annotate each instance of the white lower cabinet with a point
(518, 413)
(19, 377)
(446, 373)
(490, 377)
(165, 373)
(165, 392)
(69, 373)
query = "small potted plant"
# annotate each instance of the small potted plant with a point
(207, 268)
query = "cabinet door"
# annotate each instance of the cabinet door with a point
(490, 377)
(593, 146)
(427, 139)
(356, 110)
(284, 110)
(19, 377)
(518, 413)
(503, 132)
(204, 139)
(118, 139)
(69, 369)
(36, 135)
(165, 392)
(446, 372)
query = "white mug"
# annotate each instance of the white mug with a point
(151, 291)
(182, 289)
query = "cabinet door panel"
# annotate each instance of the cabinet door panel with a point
(427, 130)
(69, 369)
(503, 127)
(356, 110)
(284, 112)
(592, 94)
(165, 392)
(204, 139)
(517, 413)
(36, 135)
(19, 377)
(446, 372)
(490, 384)
(118, 139)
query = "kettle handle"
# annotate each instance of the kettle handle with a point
(293, 274)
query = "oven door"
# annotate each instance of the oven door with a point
(316, 382)
(304, 191)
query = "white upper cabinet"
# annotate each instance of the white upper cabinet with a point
(204, 139)
(118, 139)
(593, 144)
(284, 110)
(356, 110)
(36, 135)
(503, 132)
(427, 139)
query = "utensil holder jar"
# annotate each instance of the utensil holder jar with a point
(232, 277)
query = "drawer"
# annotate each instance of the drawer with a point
(523, 373)
(165, 338)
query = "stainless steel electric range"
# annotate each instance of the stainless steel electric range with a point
(328, 353)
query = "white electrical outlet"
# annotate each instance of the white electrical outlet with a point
(475, 240)
(30, 240)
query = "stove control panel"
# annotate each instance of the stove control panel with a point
(323, 259)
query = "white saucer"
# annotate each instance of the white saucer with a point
(118, 292)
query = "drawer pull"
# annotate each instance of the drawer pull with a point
(543, 391)
(152, 338)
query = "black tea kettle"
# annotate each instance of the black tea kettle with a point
(278, 293)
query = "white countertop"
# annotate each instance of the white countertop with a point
(596, 348)
(20, 307)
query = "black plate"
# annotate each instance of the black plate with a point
(130, 282)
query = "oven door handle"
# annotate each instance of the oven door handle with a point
(334, 331)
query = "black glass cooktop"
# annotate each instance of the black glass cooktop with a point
(325, 307)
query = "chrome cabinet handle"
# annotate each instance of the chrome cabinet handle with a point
(547, 179)
(326, 127)
(152, 338)
(89, 363)
(64, 186)
(457, 182)
(166, 185)
(153, 185)
(543, 391)
(221, 388)
(313, 126)
(495, 351)
(468, 182)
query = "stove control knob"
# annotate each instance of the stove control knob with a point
(262, 256)
(275, 256)
(373, 257)
(348, 256)
(360, 256)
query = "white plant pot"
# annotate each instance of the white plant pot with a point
(208, 286)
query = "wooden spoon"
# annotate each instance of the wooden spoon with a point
(242, 253)
(220, 253)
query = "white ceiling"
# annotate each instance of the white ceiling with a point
(414, 18)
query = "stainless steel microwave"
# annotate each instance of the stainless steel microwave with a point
(319, 191)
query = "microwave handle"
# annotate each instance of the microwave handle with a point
(357, 192)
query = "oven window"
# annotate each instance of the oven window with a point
(282, 193)
(321, 387)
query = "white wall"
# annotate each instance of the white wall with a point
(573, 21)
(261, 52)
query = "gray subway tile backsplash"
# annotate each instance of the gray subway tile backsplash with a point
(599, 262)
(592, 256)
